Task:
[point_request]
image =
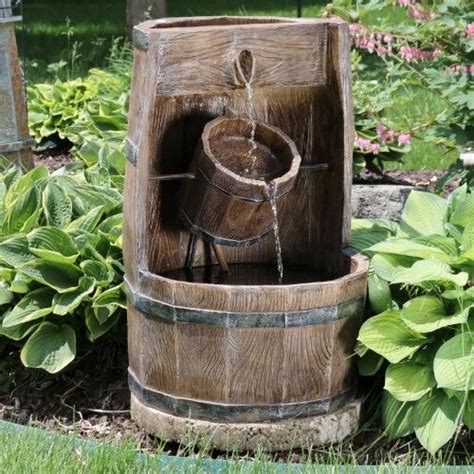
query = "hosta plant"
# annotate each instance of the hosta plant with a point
(61, 273)
(422, 336)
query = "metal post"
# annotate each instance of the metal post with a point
(299, 8)
(15, 142)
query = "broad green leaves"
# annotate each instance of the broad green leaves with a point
(426, 269)
(50, 347)
(57, 205)
(436, 417)
(387, 335)
(34, 305)
(409, 381)
(454, 363)
(424, 214)
(60, 262)
(427, 314)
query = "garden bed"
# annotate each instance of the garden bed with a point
(90, 399)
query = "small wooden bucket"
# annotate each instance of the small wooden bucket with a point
(228, 202)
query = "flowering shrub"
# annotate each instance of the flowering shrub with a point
(431, 50)
(420, 286)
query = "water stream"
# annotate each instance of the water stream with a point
(276, 232)
(271, 190)
(253, 123)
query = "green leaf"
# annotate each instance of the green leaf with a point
(398, 417)
(370, 363)
(52, 243)
(21, 284)
(60, 276)
(67, 302)
(408, 381)
(57, 205)
(468, 417)
(379, 293)
(15, 252)
(19, 332)
(25, 183)
(446, 244)
(387, 335)
(6, 296)
(114, 295)
(454, 363)
(34, 305)
(427, 314)
(98, 270)
(409, 248)
(424, 271)
(386, 265)
(95, 329)
(468, 236)
(363, 239)
(424, 214)
(19, 214)
(87, 222)
(436, 419)
(464, 213)
(51, 347)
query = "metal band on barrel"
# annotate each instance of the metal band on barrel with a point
(152, 308)
(233, 413)
(200, 232)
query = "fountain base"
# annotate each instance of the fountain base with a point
(281, 435)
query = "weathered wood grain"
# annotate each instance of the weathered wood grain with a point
(186, 74)
(15, 142)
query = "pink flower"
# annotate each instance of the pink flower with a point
(384, 134)
(404, 139)
(471, 69)
(375, 148)
(418, 14)
(366, 145)
(470, 30)
(415, 54)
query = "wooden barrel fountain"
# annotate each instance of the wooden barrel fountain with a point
(241, 358)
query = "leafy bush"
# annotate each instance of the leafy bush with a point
(412, 50)
(420, 279)
(61, 273)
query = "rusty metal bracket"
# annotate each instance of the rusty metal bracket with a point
(141, 40)
(131, 152)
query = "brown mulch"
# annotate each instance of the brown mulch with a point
(422, 179)
(53, 158)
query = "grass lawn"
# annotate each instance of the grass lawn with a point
(26, 449)
(93, 26)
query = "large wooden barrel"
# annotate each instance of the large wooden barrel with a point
(228, 201)
(242, 354)
(241, 360)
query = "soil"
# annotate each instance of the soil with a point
(422, 179)
(52, 158)
(90, 399)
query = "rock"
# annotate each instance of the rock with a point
(383, 201)
(269, 436)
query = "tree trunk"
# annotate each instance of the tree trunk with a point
(139, 10)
